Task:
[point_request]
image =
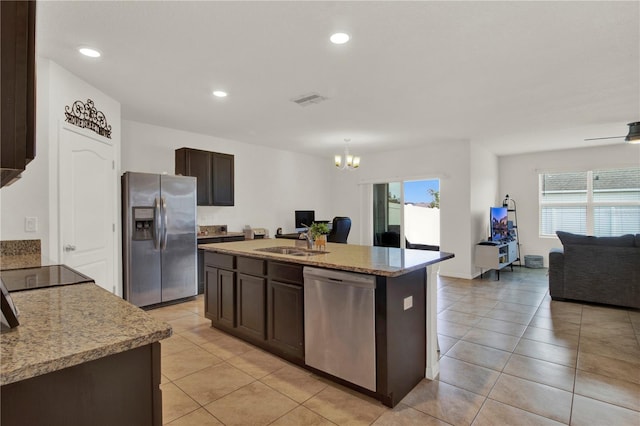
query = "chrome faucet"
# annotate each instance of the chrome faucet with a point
(307, 236)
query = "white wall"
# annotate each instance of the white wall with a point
(36, 193)
(519, 179)
(269, 184)
(484, 194)
(447, 161)
(29, 195)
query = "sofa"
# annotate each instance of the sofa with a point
(596, 269)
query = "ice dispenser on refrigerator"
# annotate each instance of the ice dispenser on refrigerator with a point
(143, 222)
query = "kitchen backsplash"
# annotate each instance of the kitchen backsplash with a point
(16, 254)
(212, 229)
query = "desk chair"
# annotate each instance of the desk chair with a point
(340, 230)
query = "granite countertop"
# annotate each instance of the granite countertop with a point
(15, 254)
(383, 261)
(69, 325)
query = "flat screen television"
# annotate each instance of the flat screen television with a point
(304, 219)
(499, 223)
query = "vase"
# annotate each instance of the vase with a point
(320, 242)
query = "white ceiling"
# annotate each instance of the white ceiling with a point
(515, 76)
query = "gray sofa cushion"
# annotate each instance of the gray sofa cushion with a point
(556, 273)
(567, 238)
(637, 240)
(603, 275)
(596, 269)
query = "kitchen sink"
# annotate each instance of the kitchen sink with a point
(292, 251)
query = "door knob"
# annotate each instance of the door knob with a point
(69, 247)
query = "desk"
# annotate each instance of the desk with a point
(293, 236)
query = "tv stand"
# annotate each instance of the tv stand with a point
(496, 256)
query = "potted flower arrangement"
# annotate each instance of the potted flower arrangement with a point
(318, 233)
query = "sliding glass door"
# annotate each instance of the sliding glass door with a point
(387, 214)
(407, 214)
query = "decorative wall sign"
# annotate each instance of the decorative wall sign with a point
(86, 115)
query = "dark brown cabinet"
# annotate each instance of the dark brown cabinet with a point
(226, 297)
(286, 318)
(214, 172)
(235, 294)
(259, 301)
(17, 85)
(117, 389)
(220, 289)
(191, 162)
(250, 306)
(285, 309)
(219, 239)
(251, 300)
(211, 293)
(222, 184)
(220, 296)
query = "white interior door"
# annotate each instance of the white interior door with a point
(88, 206)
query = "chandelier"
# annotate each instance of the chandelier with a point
(347, 161)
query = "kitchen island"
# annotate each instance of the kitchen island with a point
(255, 290)
(80, 356)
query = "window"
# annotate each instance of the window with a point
(595, 202)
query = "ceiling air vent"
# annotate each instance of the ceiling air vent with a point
(308, 99)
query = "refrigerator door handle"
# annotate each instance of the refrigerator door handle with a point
(165, 222)
(157, 224)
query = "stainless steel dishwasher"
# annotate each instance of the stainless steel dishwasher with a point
(339, 324)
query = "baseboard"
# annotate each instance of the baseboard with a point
(456, 275)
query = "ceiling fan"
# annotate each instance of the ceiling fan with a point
(632, 137)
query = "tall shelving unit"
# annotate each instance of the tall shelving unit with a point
(512, 212)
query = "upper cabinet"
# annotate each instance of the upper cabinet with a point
(214, 172)
(17, 85)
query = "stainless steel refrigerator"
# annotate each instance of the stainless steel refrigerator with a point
(159, 243)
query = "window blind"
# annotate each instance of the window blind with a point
(597, 202)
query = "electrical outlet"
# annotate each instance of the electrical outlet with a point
(408, 302)
(30, 224)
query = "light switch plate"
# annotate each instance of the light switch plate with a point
(30, 224)
(408, 302)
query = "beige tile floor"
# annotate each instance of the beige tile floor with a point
(509, 356)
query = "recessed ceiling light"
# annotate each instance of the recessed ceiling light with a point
(219, 93)
(339, 38)
(87, 51)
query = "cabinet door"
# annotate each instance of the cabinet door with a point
(17, 85)
(196, 163)
(223, 179)
(201, 277)
(251, 304)
(211, 293)
(226, 298)
(487, 257)
(286, 318)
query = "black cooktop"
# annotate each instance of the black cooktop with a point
(43, 276)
